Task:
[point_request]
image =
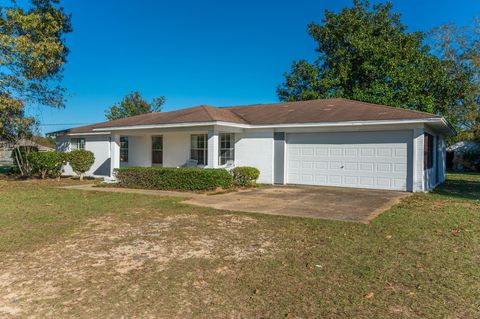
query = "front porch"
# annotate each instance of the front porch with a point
(204, 148)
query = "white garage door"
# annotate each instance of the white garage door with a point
(351, 159)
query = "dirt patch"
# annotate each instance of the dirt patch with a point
(105, 251)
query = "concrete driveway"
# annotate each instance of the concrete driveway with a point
(348, 204)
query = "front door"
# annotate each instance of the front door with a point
(157, 150)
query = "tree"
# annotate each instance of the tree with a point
(460, 47)
(366, 54)
(81, 161)
(134, 104)
(48, 163)
(32, 56)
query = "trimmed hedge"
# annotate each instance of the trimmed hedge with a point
(81, 161)
(185, 179)
(47, 163)
(245, 175)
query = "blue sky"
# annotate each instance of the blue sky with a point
(199, 52)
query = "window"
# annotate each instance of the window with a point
(157, 150)
(226, 148)
(124, 149)
(428, 151)
(77, 144)
(199, 149)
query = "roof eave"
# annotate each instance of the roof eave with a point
(431, 121)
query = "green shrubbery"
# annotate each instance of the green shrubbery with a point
(50, 164)
(245, 175)
(185, 179)
(47, 163)
(81, 161)
(21, 164)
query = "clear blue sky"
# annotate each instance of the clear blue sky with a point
(200, 52)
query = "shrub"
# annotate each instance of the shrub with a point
(245, 175)
(47, 163)
(21, 164)
(186, 179)
(81, 161)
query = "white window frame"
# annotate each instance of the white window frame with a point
(124, 148)
(77, 143)
(204, 161)
(157, 150)
(222, 160)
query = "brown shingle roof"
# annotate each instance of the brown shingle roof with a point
(321, 111)
(314, 111)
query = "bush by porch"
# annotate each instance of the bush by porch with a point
(186, 179)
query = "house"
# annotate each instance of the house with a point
(333, 142)
(6, 148)
(463, 155)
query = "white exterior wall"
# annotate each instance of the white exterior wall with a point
(442, 161)
(99, 145)
(176, 148)
(418, 174)
(436, 174)
(427, 179)
(255, 148)
(139, 151)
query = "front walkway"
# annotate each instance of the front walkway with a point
(347, 204)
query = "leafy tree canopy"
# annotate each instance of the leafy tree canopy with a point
(134, 104)
(460, 47)
(32, 56)
(366, 54)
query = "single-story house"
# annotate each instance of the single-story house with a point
(332, 142)
(458, 158)
(6, 148)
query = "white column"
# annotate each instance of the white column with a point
(212, 148)
(418, 169)
(114, 153)
(443, 159)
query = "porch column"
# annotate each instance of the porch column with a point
(114, 153)
(418, 170)
(212, 148)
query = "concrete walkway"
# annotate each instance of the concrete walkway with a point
(347, 204)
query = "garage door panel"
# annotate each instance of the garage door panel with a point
(321, 165)
(383, 167)
(351, 166)
(360, 159)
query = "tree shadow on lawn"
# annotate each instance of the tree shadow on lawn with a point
(462, 186)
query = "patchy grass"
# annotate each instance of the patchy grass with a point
(67, 253)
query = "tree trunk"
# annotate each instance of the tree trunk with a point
(81, 176)
(17, 155)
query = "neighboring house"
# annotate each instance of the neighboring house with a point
(458, 159)
(332, 142)
(6, 148)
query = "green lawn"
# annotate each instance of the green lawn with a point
(67, 253)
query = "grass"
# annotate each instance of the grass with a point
(68, 253)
